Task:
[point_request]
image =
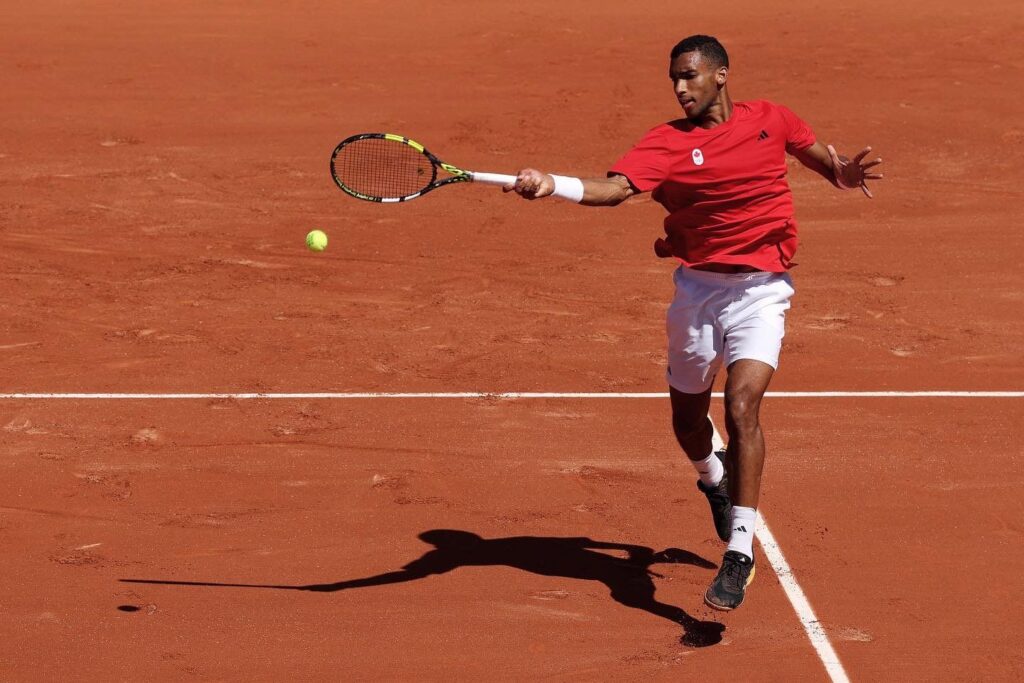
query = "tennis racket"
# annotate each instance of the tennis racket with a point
(384, 167)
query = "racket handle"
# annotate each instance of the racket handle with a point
(493, 178)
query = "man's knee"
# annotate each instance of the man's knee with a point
(689, 426)
(689, 413)
(742, 405)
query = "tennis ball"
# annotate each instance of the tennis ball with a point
(316, 240)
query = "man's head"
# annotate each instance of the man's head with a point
(699, 69)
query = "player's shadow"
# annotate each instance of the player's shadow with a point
(629, 579)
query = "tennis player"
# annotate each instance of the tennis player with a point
(720, 172)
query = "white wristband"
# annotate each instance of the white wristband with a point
(568, 187)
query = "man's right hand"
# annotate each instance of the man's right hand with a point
(531, 184)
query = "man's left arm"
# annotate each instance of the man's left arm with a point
(837, 169)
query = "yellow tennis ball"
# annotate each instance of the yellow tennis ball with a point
(316, 240)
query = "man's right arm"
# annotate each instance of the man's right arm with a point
(533, 184)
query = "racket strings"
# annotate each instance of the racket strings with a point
(383, 168)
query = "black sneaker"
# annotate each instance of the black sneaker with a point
(721, 506)
(727, 590)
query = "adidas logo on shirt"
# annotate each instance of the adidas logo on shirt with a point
(763, 135)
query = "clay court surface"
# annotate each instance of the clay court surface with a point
(160, 164)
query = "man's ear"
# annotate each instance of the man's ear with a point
(722, 75)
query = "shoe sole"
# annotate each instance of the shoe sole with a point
(723, 608)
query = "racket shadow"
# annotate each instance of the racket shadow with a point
(629, 579)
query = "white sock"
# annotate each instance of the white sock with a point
(742, 538)
(710, 470)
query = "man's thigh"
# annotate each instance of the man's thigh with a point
(756, 323)
(695, 338)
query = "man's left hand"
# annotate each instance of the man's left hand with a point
(850, 173)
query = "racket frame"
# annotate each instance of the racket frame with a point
(458, 175)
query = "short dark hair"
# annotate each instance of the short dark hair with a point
(708, 46)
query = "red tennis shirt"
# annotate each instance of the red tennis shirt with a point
(725, 187)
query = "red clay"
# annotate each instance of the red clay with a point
(161, 166)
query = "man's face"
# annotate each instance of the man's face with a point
(695, 82)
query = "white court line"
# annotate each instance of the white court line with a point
(808, 619)
(501, 395)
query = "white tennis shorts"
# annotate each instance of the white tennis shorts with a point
(718, 318)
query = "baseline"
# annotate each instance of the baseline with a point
(495, 395)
